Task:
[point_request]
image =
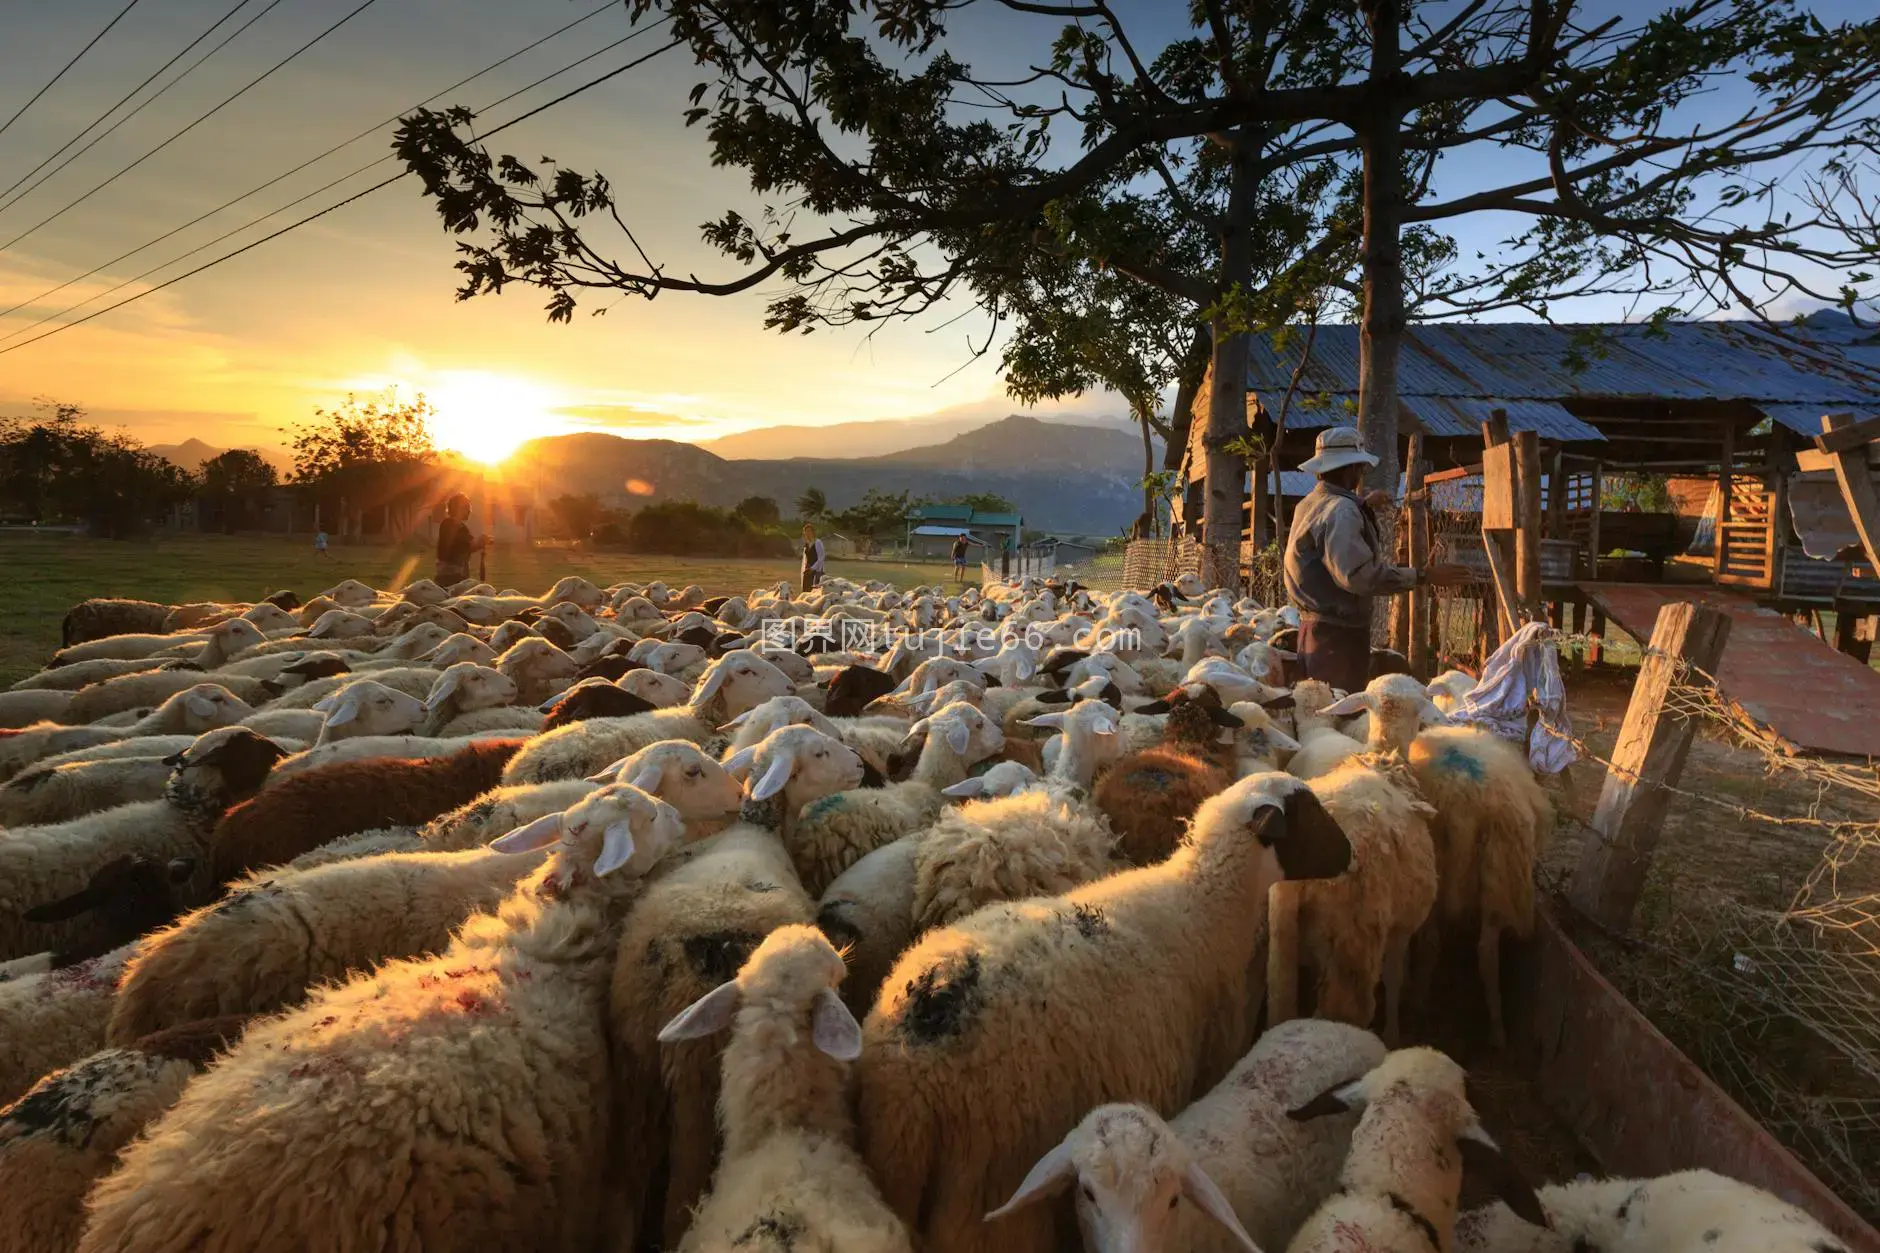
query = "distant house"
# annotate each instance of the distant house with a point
(1067, 550)
(931, 530)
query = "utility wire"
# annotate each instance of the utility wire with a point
(120, 103)
(362, 7)
(68, 65)
(297, 224)
(142, 105)
(229, 204)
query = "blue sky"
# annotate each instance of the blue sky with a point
(363, 298)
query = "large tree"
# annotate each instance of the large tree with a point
(366, 454)
(57, 467)
(237, 481)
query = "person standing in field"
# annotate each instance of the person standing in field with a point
(319, 544)
(959, 557)
(455, 543)
(812, 558)
(1336, 564)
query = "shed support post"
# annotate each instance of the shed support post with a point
(1720, 560)
(1648, 757)
(1527, 535)
(1417, 517)
(1500, 559)
(1592, 523)
(1557, 494)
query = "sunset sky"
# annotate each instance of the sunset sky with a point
(363, 298)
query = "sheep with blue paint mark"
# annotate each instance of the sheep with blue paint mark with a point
(1492, 819)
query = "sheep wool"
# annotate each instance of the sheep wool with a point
(453, 1104)
(46, 794)
(790, 1163)
(1034, 843)
(273, 937)
(1250, 1173)
(868, 913)
(100, 617)
(1691, 1211)
(52, 1019)
(1141, 977)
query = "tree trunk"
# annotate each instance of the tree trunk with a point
(1146, 526)
(1380, 331)
(1227, 399)
(1194, 369)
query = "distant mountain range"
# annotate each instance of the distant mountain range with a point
(848, 441)
(1077, 478)
(191, 453)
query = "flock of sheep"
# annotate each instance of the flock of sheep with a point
(451, 919)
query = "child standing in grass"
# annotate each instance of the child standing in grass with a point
(319, 544)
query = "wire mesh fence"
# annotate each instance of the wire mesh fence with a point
(1780, 1005)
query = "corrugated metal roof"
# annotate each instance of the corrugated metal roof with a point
(1452, 374)
(940, 530)
(1297, 482)
(949, 513)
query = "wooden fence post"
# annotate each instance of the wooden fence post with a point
(1499, 500)
(1649, 755)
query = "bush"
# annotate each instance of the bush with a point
(685, 528)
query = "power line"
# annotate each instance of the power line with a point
(239, 4)
(362, 7)
(229, 204)
(68, 65)
(297, 224)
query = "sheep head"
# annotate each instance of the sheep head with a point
(683, 775)
(617, 828)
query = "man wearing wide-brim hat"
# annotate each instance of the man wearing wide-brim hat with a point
(1336, 564)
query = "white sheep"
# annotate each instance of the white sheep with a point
(1090, 741)
(78, 674)
(1691, 1211)
(465, 688)
(832, 832)
(366, 707)
(1259, 743)
(23, 709)
(501, 809)
(735, 682)
(539, 669)
(364, 747)
(1448, 688)
(1032, 843)
(46, 794)
(658, 690)
(790, 1157)
(1322, 746)
(1492, 820)
(1355, 929)
(1250, 1173)
(868, 912)
(697, 922)
(1136, 987)
(1402, 1177)
(53, 1018)
(509, 1020)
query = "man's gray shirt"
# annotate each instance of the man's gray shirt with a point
(1334, 559)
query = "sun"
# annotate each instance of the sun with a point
(487, 416)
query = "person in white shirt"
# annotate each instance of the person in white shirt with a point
(812, 558)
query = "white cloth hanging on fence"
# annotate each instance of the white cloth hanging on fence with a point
(1524, 671)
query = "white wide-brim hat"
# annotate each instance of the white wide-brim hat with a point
(1338, 446)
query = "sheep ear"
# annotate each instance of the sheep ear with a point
(82, 901)
(617, 849)
(1026, 667)
(1103, 726)
(738, 721)
(1340, 1098)
(1200, 1189)
(530, 836)
(775, 778)
(1283, 701)
(344, 712)
(708, 1015)
(709, 685)
(1153, 707)
(646, 779)
(959, 735)
(1309, 843)
(1061, 696)
(201, 706)
(1221, 718)
(834, 1028)
(974, 786)
(1049, 1176)
(444, 688)
(1430, 715)
(1052, 720)
(1356, 703)
(1482, 1157)
(740, 761)
(1280, 740)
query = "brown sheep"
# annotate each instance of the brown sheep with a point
(308, 809)
(1150, 796)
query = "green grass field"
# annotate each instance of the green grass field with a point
(43, 575)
